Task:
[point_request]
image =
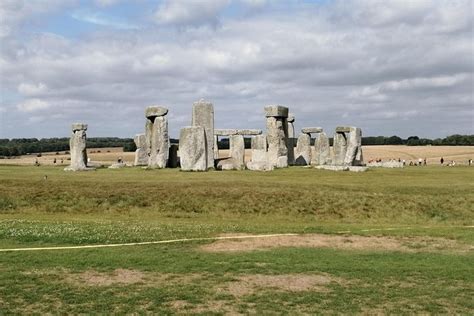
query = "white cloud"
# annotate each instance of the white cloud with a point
(32, 105)
(396, 70)
(190, 12)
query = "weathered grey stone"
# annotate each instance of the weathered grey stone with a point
(291, 118)
(333, 168)
(173, 158)
(311, 130)
(216, 147)
(192, 148)
(229, 132)
(203, 115)
(354, 148)
(291, 139)
(277, 136)
(386, 164)
(321, 152)
(276, 111)
(237, 151)
(343, 129)
(117, 165)
(343, 168)
(339, 148)
(303, 150)
(258, 161)
(156, 137)
(141, 156)
(154, 111)
(77, 148)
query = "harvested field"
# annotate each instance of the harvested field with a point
(374, 243)
(107, 156)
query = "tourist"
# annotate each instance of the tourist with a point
(54, 160)
(424, 162)
(420, 161)
(441, 160)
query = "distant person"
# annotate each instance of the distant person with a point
(411, 163)
(441, 160)
(420, 161)
(424, 162)
(119, 160)
(54, 160)
(399, 160)
(36, 162)
(62, 161)
(404, 162)
(469, 162)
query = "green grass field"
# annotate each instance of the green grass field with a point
(384, 241)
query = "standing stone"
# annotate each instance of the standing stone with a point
(322, 153)
(291, 139)
(277, 135)
(141, 156)
(258, 160)
(216, 147)
(203, 115)
(339, 148)
(77, 147)
(237, 150)
(173, 159)
(193, 148)
(354, 148)
(156, 136)
(237, 154)
(303, 150)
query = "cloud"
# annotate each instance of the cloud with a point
(189, 12)
(101, 19)
(32, 105)
(389, 67)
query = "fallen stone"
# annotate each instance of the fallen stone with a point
(386, 164)
(192, 149)
(117, 165)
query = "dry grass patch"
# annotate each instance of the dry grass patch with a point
(377, 243)
(249, 284)
(119, 276)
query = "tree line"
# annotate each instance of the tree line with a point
(24, 146)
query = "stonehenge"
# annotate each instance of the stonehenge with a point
(141, 156)
(277, 135)
(156, 136)
(77, 147)
(203, 115)
(198, 144)
(193, 149)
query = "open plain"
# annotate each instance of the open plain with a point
(107, 156)
(383, 241)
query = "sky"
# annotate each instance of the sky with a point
(390, 67)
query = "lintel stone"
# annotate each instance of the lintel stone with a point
(276, 111)
(230, 132)
(79, 127)
(309, 130)
(154, 111)
(343, 129)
